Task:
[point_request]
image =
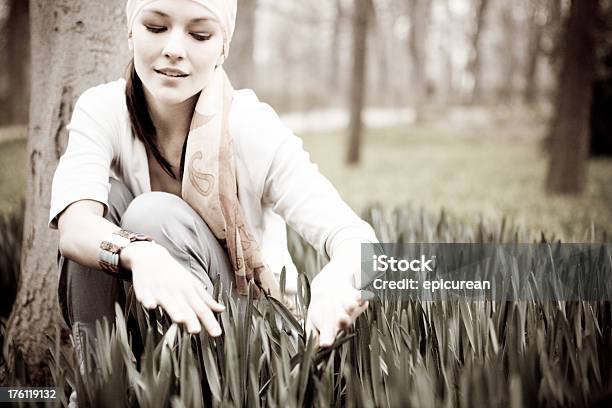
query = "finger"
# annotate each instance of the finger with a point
(147, 299)
(210, 323)
(327, 335)
(205, 315)
(359, 310)
(209, 300)
(359, 297)
(139, 291)
(344, 320)
(350, 306)
(180, 312)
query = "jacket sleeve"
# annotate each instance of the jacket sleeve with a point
(84, 168)
(305, 198)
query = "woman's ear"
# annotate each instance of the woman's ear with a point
(130, 43)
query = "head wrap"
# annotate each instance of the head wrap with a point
(209, 179)
(223, 10)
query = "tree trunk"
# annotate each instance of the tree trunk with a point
(357, 94)
(334, 70)
(474, 65)
(534, 41)
(601, 120)
(15, 99)
(419, 11)
(554, 30)
(75, 44)
(381, 42)
(570, 126)
(241, 62)
(508, 52)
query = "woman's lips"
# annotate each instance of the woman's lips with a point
(171, 75)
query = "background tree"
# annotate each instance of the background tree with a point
(75, 44)
(569, 143)
(419, 13)
(601, 112)
(357, 94)
(474, 66)
(554, 31)
(534, 47)
(16, 49)
(241, 63)
(507, 49)
(334, 70)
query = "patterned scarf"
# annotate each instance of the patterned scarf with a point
(209, 179)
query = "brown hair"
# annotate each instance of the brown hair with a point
(142, 124)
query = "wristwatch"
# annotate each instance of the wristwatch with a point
(110, 251)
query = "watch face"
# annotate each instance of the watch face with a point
(141, 237)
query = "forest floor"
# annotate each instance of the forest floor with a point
(473, 163)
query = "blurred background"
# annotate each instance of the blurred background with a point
(484, 112)
(456, 98)
(481, 109)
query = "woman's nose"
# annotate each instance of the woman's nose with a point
(175, 46)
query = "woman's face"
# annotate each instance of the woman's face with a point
(176, 44)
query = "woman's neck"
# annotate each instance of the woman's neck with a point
(171, 122)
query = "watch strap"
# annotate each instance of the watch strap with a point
(111, 247)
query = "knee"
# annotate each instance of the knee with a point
(157, 212)
(119, 197)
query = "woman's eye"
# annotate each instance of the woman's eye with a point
(155, 29)
(201, 37)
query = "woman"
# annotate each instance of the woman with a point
(178, 178)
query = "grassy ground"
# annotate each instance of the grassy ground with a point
(471, 163)
(409, 353)
(483, 168)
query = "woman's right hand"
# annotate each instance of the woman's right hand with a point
(159, 280)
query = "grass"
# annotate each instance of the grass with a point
(399, 353)
(486, 171)
(472, 163)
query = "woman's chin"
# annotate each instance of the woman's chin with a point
(170, 97)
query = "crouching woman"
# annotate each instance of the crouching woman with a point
(175, 178)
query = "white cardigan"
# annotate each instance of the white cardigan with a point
(277, 182)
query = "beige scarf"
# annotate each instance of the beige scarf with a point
(209, 178)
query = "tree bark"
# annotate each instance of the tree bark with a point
(570, 126)
(554, 30)
(508, 53)
(601, 120)
(17, 55)
(357, 93)
(75, 44)
(419, 11)
(474, 65)
(381, 41)
(534, 47)
(241, 62)
(334, 70)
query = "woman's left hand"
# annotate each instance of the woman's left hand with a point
(334, 305)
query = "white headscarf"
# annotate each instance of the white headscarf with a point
(223, 10)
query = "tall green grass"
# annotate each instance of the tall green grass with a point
(399, 353)
(11, 232)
